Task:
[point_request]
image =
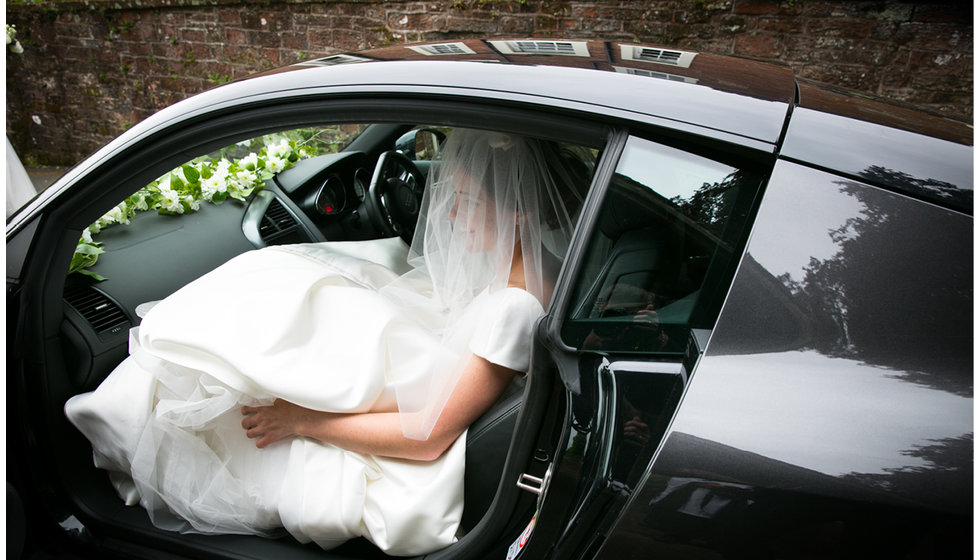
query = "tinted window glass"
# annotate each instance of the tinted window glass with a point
(661, 254)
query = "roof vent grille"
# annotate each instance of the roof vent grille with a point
(653, 74)
(105, 315)
(657, 55)
(563, 48)
(334, 60)
(442, 49)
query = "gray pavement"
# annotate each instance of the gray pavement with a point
(43, 177)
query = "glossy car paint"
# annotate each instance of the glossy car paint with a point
(848, 418)
(937, 170)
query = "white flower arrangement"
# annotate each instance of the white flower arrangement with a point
(13, 45)
(182, 190)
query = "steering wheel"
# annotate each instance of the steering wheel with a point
(395, 195)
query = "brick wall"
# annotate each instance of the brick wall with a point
(91, 69)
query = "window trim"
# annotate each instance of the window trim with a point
(758, 165)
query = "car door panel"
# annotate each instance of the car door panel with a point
(824, 418)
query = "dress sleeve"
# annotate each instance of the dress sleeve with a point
(504, 333)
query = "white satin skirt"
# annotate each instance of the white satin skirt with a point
(302, 323)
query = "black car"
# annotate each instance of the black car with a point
(803, 389)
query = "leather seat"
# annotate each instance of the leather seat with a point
(487, 441)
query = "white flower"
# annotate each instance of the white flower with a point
(251, 160)
(86, 236)
(171, 201)
(221, 168)
(280, 149)
(246, 177)
(141, 204)
(115, 216)
(213, 184)
(12, 43)
(275, 164)
(195, 204)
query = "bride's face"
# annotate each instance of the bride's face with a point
(473, 214)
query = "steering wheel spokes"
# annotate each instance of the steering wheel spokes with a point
(395, 195)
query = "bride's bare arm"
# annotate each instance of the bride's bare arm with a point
(380, 433)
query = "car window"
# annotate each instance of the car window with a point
(667, 234)
(233, 171)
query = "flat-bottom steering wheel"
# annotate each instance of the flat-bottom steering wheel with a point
(395, 195)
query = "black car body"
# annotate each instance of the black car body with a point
(809, 388)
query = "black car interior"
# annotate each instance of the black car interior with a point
(156, 254)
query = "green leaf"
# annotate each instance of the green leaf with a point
(192, 175)
(86, 272)
(86, 249)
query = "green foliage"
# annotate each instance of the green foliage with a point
(219, 78)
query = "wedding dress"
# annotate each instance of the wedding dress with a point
(340, 327)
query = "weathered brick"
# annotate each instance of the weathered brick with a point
(838, 27)
(812, 8)
(192, 35)
(262, 39)
(294, 41)
(517, 25)
(940, 37)
(764, 7)
(235, 37)
(920, 52)
(958, 13)
(941, 66)
(764, 45)
(778, 24)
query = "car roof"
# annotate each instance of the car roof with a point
(736, 99)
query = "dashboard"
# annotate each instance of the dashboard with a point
(324, 198)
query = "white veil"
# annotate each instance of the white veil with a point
(489, 195)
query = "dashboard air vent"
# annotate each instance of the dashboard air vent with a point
(105, 315)
(277, 225)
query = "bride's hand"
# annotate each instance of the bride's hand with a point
(270, 424)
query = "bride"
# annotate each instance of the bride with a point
(325, 389)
